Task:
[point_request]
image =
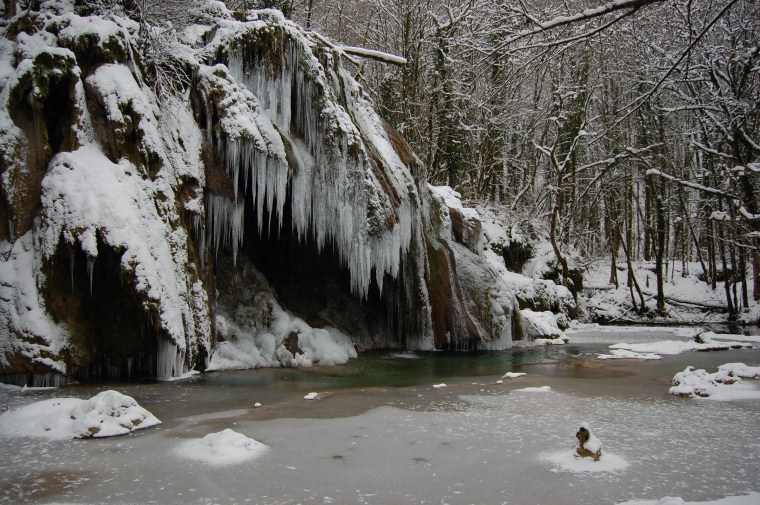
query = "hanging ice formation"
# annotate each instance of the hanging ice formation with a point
(294, 129)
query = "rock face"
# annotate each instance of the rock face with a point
(130, 185)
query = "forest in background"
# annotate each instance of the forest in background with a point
(626, 129)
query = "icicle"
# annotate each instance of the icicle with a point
(90, 270)
(199, 233)
(167, 359)
(129, 367)
(330, 189)
(226, 220)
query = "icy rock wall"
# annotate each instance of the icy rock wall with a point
(97, 157)
(472, 308)
(92, 159)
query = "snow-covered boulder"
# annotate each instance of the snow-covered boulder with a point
(106, 414)
(695, 382)
(541, 327)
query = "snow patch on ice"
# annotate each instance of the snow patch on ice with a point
(626, 354)
(569, 461)
(751, 498)
(672, 347)
(513, 375)
(539, 389)
(224, 448)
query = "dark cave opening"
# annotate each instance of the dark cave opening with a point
(57, 112)
(313, 285)
(112, 335)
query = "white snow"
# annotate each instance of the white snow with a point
(539, 389)
(688, 299)
(723, 385)
(593, 444)
(439, 386)
(224, 448)
(672, 347)
(23, 309)
(569, 461)
(86, 196)
(257, 339)
(513, 375)
(106, 414)
(372, 53)
(751, 498)
(626, 354)
(741, 370)
(311, 396)
(538, 324)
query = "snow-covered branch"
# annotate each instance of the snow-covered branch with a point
(699, 187)
(374, 55)
(584, 15)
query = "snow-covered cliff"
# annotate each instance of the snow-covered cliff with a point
(132, 187)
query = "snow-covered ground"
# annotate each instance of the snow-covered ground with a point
(688, 299)
(474, 441)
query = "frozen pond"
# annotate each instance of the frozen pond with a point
(380, 433)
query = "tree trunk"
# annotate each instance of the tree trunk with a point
(755, 275)
(10, 9)
(553, 238)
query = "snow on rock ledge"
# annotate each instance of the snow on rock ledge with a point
(106, 414)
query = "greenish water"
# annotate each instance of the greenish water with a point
(404, 369)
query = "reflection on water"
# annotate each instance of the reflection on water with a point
(234, 389)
